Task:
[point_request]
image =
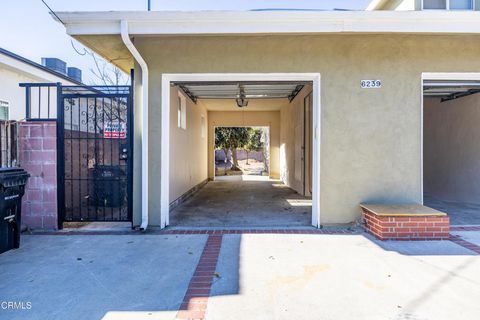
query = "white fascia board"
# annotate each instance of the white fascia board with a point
(451, 76)
(252, 22)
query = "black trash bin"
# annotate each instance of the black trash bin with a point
(109, 187)
(12, 189)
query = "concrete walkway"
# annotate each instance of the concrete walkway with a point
(98, 277)
(237, 203)
(254, 276)
(343, 277)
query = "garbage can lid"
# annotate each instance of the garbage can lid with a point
(13, 175)
(11, 170)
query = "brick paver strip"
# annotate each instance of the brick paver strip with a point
(195, 231)
(466, 244)
(195, 301)
(465, 228)
(257, 231)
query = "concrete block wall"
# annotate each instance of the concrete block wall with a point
(241, 155)
(38, 156)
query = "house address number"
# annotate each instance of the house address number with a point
(370, 84)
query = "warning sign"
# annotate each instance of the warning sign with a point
(115, 130)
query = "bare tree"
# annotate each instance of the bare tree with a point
(107, 79)
(104, 71)
(107, 73)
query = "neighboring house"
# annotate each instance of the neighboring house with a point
(404, 5)
(349, 123)
(15, 69)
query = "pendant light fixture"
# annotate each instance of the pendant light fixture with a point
(241, 100)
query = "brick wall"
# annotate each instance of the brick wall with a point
(37, 155)
(416, 227)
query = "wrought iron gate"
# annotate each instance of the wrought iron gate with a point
(95, 149)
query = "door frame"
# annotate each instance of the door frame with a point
(166, 81)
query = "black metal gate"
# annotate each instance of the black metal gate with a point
(95, 149)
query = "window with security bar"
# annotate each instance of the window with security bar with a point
(4, 110)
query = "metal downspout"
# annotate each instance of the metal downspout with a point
(143, 65)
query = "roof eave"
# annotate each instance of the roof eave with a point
(250, 22)
(40, 67)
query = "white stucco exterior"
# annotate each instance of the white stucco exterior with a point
(14, 71)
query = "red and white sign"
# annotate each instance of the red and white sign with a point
(115, 130)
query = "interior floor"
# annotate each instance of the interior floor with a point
(243, 203)
(460, 213)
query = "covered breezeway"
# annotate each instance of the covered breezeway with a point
(286, 195)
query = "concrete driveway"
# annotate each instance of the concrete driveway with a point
(257, 276)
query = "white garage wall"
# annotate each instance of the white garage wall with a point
(452, 149)
(188, 147)
(291, 141)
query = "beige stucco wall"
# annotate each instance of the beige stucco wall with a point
(188, 148)
(269, 119)
(451, 149)
(291, 142)
(370, 144)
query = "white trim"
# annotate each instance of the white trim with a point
(165, 139)
(316, 152)
(268, 22)
(165, 154)
(451, 75)
(421, 138)
(438, 76)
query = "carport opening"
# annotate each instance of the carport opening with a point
(241, 154)
(451, 153)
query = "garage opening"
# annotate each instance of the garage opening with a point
(241, 153)
(451, 152)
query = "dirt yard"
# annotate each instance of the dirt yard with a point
(253, 167)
